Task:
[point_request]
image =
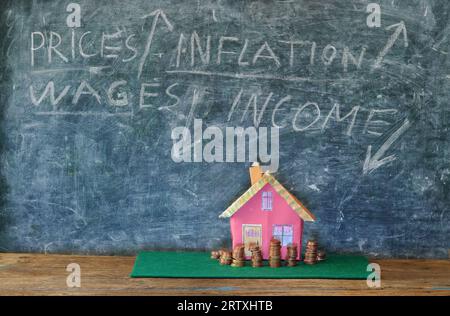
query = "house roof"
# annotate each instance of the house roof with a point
(290, 199)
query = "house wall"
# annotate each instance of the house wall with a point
(252, 213)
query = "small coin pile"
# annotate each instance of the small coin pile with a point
(257, 259)
(321, 255)
(215, 254)
(275, 253)
(311, 252)
(291, 256)
(238, 256)
(225, 257)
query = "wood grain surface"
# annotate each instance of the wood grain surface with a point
(39, 274)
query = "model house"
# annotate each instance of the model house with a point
(264, 211)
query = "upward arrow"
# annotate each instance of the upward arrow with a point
(156, 14)
(373, 162)
(400, 28)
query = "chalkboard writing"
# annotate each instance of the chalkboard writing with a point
(129, 126)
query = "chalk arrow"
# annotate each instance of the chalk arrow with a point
(96, 70)
(160, 13)
(374, 162)
(400, 29)
(156, 15)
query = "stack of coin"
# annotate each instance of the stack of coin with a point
(291, 256)
(257, 259)
(321, 255)
(215, 254)
(275, 253)
(225, 257)
(311, 252)
(238, 256)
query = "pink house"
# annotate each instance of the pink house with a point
(264, 211)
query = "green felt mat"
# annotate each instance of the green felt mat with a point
(199, 265)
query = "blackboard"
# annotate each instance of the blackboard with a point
(360, 92)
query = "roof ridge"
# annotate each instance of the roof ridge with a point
(290, 199)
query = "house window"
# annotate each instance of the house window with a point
(266, 201)
(284, 233)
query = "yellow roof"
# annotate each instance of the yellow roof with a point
(291, 200)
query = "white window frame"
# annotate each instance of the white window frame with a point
(267, 201)
(283, 244)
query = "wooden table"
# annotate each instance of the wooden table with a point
(39, 274)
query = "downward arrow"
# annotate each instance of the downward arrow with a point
(374, 162)
(400, 28)
(157, 13)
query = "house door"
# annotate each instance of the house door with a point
(251, 234)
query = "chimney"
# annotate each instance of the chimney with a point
(255, 172)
